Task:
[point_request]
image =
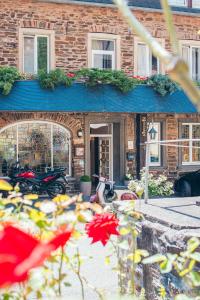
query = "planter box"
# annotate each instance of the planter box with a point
(85, 188)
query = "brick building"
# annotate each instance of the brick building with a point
(94, 131)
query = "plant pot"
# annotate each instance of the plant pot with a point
(126, 182)
(85, 188)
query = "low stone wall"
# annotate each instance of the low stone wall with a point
(155, 236)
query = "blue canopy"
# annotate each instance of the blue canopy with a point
(29, 96)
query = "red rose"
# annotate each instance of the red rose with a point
(101, 227)
(20, 252)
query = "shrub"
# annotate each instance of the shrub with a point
(157, 186)
(85, 178)
(162, 84)
(55, 78)
(8, 76)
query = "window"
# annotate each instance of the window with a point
(155, 149)
(191, 54)
(39, 144)
(36, 50)
(103, 51)
(195, 4)
(146, 64)
(179, 2)
(191, 153)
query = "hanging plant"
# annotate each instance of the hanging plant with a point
(119, 79)
(162, 84)
(55, 78)
(8, 76)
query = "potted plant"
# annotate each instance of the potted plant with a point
(85, 185)
(127, 179)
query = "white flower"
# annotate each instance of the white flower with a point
(48, 207)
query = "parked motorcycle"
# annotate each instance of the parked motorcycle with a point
(32, 182)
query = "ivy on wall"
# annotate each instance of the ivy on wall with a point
(162, 84)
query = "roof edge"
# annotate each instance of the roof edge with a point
(176, 12)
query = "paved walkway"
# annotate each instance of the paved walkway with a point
(95, 271)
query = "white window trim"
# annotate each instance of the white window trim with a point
(116, 63)
(185, 4)
(191, 44)
(44, 122)
(156, 164)
(190, 163)
(33, 32)
(137, 41)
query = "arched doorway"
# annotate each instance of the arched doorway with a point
(38, 144)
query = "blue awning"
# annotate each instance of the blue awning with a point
(29, 96)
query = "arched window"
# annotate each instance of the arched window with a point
(38, 144)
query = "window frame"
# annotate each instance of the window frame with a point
(35, 33)
(159, 163)
(138, 41)
(177, 4)
(68, 134)
(190, 162)
(116, 63)
(190, 44)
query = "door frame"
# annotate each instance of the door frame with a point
(101, 118)
(109, 136)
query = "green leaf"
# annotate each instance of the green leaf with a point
(193, 244)
(195, 277)
(195, 256)
(166, 266)
(67, 284)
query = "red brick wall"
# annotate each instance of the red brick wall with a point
(72, 23)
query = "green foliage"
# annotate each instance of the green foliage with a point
(54, 78)
(119, 79)
(8, 76)
(85, 178)
(162, 84)
(157, 185)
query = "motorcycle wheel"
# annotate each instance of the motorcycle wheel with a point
(24, 187)
(56, 188)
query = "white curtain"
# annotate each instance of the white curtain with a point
(29, 55)
(142, 56)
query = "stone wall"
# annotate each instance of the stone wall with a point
(72, 23)
(155, 236)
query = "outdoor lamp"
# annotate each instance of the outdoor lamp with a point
(152, 133)
(80, 133)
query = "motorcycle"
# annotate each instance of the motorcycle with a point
(31, 182)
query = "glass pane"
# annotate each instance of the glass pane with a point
(61, 148)
(185, 151)
(155, 148)
(154, 65)
(42, 45)
(105, 45)
(29, 55)
(34, 140)
(100, 128)
(185, 131)
(196, 63)
(8, 149)
(196, 131)
(196, 151)
(102, 61)
(142, 68)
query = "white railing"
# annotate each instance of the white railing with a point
(196, 3)
(179, 2)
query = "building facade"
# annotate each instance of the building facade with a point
(48, 34)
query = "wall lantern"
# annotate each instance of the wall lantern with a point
(80, 133)
(152, 133)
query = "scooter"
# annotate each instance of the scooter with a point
(104, 192)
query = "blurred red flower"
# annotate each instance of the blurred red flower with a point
(70, 75)
(20, 252)
(101, 227)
